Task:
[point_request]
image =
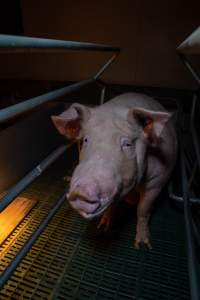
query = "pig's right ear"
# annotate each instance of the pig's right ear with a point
(71, 121)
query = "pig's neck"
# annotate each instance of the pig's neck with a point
(141, 153)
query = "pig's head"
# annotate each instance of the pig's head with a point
(113, 153)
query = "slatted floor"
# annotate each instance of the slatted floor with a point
(73, 260)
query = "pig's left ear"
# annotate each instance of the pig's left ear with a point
(70, 122)
(152, 122)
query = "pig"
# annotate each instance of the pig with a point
(129, 147)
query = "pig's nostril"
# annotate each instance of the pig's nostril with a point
(76, 195)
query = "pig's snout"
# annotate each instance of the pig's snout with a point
(85, 198)
(90, 199)
(83, 204)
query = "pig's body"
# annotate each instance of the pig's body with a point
(129, 146)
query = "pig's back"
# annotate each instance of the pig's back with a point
(130, 100)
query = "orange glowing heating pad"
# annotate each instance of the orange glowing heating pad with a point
(13, 214)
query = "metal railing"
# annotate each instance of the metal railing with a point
(13, 43)
(16, 42)
(192, 232)
(23, 42)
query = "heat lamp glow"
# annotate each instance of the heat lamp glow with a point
(13, 214)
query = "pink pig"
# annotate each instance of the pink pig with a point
(129, 148)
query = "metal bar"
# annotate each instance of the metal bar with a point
(107, 64)
(102, 99)
(31, 176)
(12, 41)
(191, 45)
(189, 67)
(22, 107)
(196, 232)
(24, 250)
(194, 134)
(192, 260)
(181, 200)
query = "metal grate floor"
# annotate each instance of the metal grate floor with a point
(73, 260)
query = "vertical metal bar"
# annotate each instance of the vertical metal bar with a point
(102, 95)
(194, 135)
(24, 250)
(192, 259)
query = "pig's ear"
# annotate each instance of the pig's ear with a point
(70, 122)
(152, 122)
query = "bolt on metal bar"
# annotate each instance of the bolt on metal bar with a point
(24, 250)
(192, 259)
(13, 42)
(31, 176)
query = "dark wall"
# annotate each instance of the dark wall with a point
(25, 144)
(10, 17)
(147, 31)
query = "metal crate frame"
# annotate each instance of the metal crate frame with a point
(16, 43)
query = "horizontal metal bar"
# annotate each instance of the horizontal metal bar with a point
(192, 259)
(10, 112)
(31, 176)
(189, 67)
(191, 45)
(24, 250)
(22, 107)
(12, 41)
(181, 200)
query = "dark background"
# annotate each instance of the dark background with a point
(148, 33)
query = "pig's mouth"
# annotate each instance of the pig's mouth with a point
(94, 208)
(98, 212)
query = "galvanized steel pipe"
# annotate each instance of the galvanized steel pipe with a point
(31, 176)
(13, 42)
(22, 107)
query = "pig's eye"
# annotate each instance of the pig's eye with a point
(128, 147)
(85, 140)
(127, 144)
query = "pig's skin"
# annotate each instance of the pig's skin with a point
(129, 144)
